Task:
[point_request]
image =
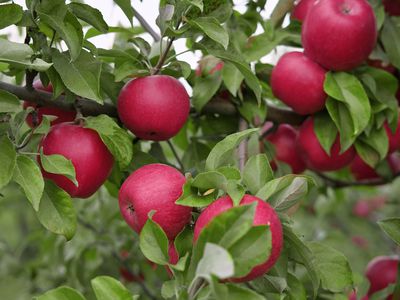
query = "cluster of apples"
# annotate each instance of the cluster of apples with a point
(333, 40)
(380, 272)
(156, 187)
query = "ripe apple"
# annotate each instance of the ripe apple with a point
(299, 83)
(333, 36)
(284, 141)
(362, 208)
(62, 115)
(173, 257)
(301, 9)
(394, 137)
(314, 155)
(91, 158)
(208, 65)
(154, 187)
(392, 7)
(264, 215)
(382, 271)
(154, 107)
(362, 171)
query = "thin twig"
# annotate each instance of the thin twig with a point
(27, 139)
(146, 25)
(176, 155)
(163, 57)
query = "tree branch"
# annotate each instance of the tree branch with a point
(337, 183)
(146, 25)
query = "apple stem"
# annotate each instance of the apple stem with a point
(182, 168)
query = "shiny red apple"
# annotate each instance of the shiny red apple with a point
(382, 271)
(301, 9)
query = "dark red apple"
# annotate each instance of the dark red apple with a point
(394, 137)
(62, 115)
(83, 146)
(264, 215)
(301, 9)
(314, 155)
(362, 171)
(392, 7)
(299, 83)
(154, 107)
(339, 34)
(284, 141)
(381, 271)
(154, 187)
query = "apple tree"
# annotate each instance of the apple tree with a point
(266, 168)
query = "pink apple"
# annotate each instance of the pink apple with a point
(301, 9)
(382, 271)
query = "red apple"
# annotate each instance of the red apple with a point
(62, 115)
(381, 271)
(91, 158)
(299, 83)
(284, 141)
(394, 137)
(154, 107)
(154, 187)
(208, 65)
(339, 34)
(314, 155)
(362, 208)
(264, 215)
(173, 257)
(377, 63)
(362, 171)
(301, 9)
(392, 7)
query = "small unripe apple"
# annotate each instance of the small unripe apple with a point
(381, 271)
(154, 107)
(154, 187)
(83, 146)
(392, 7)
(301, 9)
(333, 36)
(284, 141)
(299, 83)
(208, 65)
(264, 215)
(394, 137)
(62, 115)
(315, 156)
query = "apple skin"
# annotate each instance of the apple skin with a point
(154, 187)
(332, 35)
(394, 138)
(301, 9)
(284, 141)
(62, 115)
(381, 271)
(392, 7)
(91, 158)
(264, 215)
(154, 107)
(302, 90)
(313, 154)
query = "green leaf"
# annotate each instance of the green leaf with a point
(236, 191)
(223, 151)
(233, 292)
(299, 252)
(377, 140)
(61, 293)
(184, 241)
(190, 196)
(90, 15)
(81, 76)
(391, 227)
(212, 28)
(56, 211)
(232, 78)
(168, 289)
(257, 172)
(58, 164)
(154, 243)
(332, 267)
(210, 180)
(9, 102)
(216, 261)
(10, 14)
(126, 7)
(367, 153)
(251, 250)
(27, 174)
(249, 77)
(108, 288)
(390, 37)
(8, 160)
(296, 288)
(347, 88)
(284, 192)
(204, 89)
(57, 16)
(197, 3)
(325, 130)
(117, 140)
(254, 113)
(20, 55)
